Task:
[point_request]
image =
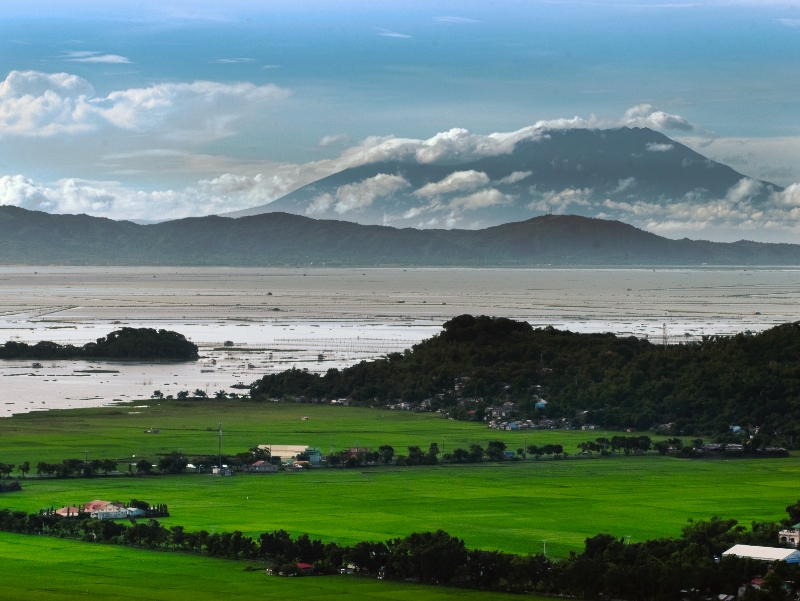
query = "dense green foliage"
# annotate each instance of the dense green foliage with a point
(126, 343)
(752, 381)
(37, 238)
(607, 567)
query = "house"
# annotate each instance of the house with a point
(790, 536)
(68, 512)
(222, 471)
(540, 404)
(764, 553)
(288, 453)
(305, 568)
(105, 510)
(261, 467)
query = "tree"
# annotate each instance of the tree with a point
(662, 446)
(183, 395)
(24, 468)
(108, 465)
(143, 466)
(157, 394)
(386, 453)
(6, 468)
(220, 394)
(200, 393)
(495, 451)
(433, 454)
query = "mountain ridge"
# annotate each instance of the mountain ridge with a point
(588, 172)
(279, 239)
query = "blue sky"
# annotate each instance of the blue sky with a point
(160, 100)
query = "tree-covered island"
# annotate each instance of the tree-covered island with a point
(124, 344)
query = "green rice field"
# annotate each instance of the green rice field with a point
(511, 506)
(43, 568)
(119, 432)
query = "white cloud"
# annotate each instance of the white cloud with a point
(557, 202)
(455, 20)
(233, 61)
(744, 190)
(458, 181)
(394, 34)
(624, 184)
(790, 22)
(646, 115)
(352, 197)
(39, 104)
(516, 176)
(332, 139)
(481, 199)
(96, 57)
(656, 147)
(319, 204)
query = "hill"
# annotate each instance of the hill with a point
(580, 171)
(751, 381)
(276, 239)
(125, 344)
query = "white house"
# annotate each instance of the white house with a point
(764, 553)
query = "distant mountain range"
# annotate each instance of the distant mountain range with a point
(607, 173)
(276, 239)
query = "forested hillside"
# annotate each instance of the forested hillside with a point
(751, 381)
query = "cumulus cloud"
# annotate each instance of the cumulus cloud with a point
(319, 204)
(481, 199)
(351, 197)
(516, 176)
(332, 139)
(557, 202)
(44, 104)
(458, 181)
(656, 147)
(646, 115)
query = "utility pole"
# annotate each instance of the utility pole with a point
(544, 543)
(220, 445)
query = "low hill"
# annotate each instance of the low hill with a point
(125, 344)
(692, 389)
(276, 239)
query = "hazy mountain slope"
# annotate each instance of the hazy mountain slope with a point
(35, 238)
(578, 171)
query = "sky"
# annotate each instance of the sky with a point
(155, 110)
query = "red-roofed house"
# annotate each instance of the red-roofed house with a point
(68, 512)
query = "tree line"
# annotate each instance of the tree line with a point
(747, 380)
(125, 343)
(608, 567)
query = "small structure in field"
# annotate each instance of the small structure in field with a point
(261, 467)
(764, 553)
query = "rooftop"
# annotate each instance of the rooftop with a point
(764, 553)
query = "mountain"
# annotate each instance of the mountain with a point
(586, 172)
(37, 238)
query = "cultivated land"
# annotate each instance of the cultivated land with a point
(511, 506)
(48, 568)
(191, 426)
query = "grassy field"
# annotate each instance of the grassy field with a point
(119, 432)
(510, 506)
(42, 568)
